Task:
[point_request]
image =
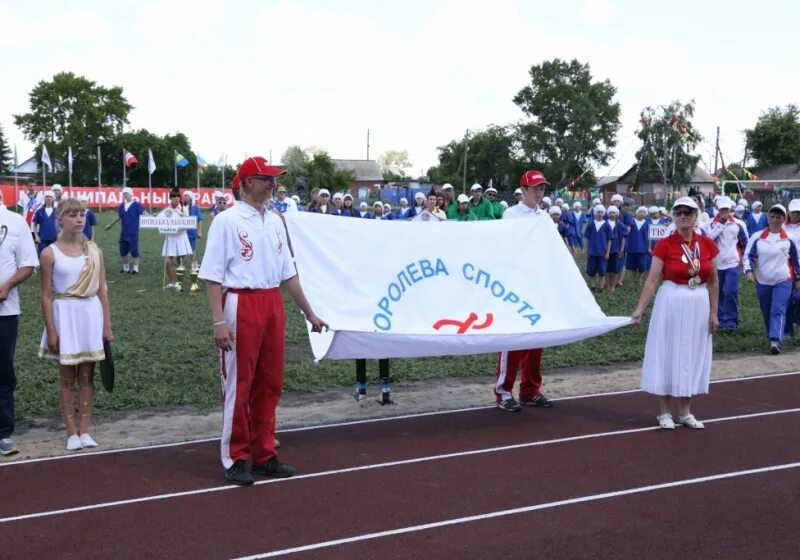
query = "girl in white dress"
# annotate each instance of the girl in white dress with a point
(175, 244)
(76, 317)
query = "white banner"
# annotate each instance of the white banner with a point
(395, 289)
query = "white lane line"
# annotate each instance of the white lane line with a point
(526, 509)
(399, 462)
(353, 423)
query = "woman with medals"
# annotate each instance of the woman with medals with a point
(677, 355)
(771, 262)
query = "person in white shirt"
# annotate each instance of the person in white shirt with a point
(247, 260)
(29, 202)
(17, 261)
(529, 361)
(792, 227)
(730, 236)
(774, 257)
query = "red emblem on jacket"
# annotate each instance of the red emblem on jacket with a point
(247, 247)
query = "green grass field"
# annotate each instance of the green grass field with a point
(165, 355)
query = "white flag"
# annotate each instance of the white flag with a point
(46, 158)
(69, 159)
(151, 163)
(223, 159)
(496, 301)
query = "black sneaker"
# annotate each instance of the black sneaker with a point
(774, 348)
(240, 473)
(538, 400)
(274, 468)
(509, 404)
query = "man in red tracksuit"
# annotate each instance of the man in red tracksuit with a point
(529, 362)
(246, 261)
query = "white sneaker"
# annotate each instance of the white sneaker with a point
(74, 443)
(665, 421)
(87, 441)
(691, 422)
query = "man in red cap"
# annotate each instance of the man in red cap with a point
(529, 362)
(247, 259)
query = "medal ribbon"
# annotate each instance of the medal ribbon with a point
(693, 257)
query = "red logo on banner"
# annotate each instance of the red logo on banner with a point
(464, 326)
(247, 247)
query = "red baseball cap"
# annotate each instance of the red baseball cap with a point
(532, 178)
(235, 183)
(254, 166)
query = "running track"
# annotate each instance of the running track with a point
(590, 478)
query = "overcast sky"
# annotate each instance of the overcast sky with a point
(250, 77)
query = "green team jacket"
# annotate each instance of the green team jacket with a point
(483, 210)
(498, 210)
(468, 217)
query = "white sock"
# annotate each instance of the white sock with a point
(136, 268)
(125, 267)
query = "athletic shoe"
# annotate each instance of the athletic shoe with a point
(274, 468)
(8, 447)
(74, 443)
(774, 349)
(538, 400)
(276, 443)
(665, 422)
(240, 473)
(690, 422)
(134, 271)
(88, 441)
(385, 398)
(509, 404)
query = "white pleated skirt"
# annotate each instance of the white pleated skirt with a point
(176, 245)
(677, 354)
(79, 324)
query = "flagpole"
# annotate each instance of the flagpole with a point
(44, 169)
(224, 161)
(16, 165)
(150, 187)
(99, 180)
(124, 172)
(175, 168)
(69, 165)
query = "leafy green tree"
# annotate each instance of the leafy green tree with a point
(668, 137)
(296, 162)
(322, 173)
(491, 155)
(573, 121)
(73, 111)
(6, 163)
(775, 139)
(393, 164)
(137, 142)
(211, 176)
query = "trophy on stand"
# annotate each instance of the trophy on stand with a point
(194, 288)
(179, 272)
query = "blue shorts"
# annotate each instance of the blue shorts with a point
(129, 245)
(192, 242)
(596, 266)
(637, 262)
(44, 244)
(614, 263)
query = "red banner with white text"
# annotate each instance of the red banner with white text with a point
(111, 197)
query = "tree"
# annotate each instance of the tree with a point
(573, 121)
(322, 173)
(164, 148)
(211, 176)
(667, 138)
(775, 139)
(6, 163)
(491, 155)
(296, 162)
(73, 111)
(393, 164)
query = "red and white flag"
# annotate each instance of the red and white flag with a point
(130, 159)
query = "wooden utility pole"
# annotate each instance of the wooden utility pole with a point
(367, 144)
(466, 150)
(716, 152)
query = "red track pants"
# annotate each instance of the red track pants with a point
(530, 364)
(252, 374)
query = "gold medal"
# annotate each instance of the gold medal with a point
(694, 282)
